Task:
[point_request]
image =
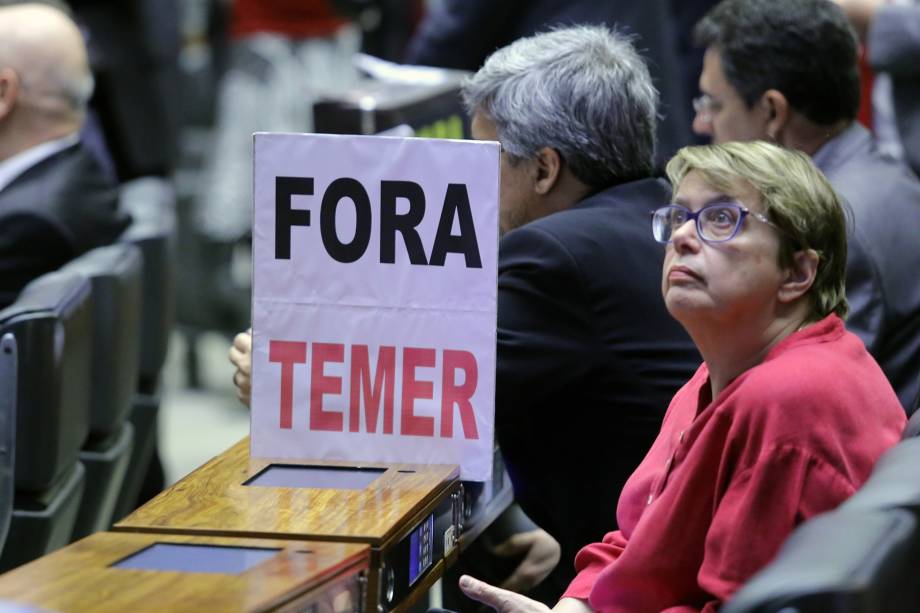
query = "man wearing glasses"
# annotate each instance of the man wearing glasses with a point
(785, 71)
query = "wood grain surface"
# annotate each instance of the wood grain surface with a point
(80, 577)
(213, 500)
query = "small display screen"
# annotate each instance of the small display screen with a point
(7, 606)
(196, 558)
(420, 549)
(322, 477)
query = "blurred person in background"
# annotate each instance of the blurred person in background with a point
(134, 53)
(284, 55)
(891, 33)
(55, 200)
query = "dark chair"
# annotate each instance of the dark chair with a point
(7, 430)
(52, 323)
(115, 274)
(914, 407)
(913, 426)
(840, 562)
(151, 202)
(894, 482)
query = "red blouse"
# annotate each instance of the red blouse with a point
(726, 482)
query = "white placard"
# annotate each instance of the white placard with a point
(374, 299)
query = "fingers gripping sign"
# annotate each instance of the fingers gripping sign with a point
(241, 357)
(503, 601)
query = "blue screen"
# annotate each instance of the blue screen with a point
(196, 558)
(413, 557)
(323, 477)
(421, 549)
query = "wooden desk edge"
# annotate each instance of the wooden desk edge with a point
(131, 523)
(389, 538)
(323, 579)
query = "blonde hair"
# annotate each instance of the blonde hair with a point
(795, 196)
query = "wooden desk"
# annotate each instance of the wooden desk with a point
(80, 577)
(213, 500)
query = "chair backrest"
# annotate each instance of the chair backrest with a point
(7, 430)
(52, 323)
(894, 482)
(913, 426)
(115, 273)
(840, 562)
(151, 202)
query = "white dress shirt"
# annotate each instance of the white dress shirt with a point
(12, 167)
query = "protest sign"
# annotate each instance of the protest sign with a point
(374, 299)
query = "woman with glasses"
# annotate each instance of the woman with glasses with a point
(783, 420)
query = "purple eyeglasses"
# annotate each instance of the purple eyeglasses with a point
(715, 223)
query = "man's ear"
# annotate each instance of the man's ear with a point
(800, 276)
(9, 90)
(548, 169)
(777, 111)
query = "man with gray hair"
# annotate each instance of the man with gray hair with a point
(588, 357)
(55, 201)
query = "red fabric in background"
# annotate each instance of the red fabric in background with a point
(866, 79)
(292, 18)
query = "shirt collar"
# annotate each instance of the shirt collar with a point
(14, 166)
(842, 147)
(829, 328)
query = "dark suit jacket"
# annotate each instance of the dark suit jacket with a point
(588, 358)
(462, 33)
(894, 47)
(51, 213)
(134, 52)
(882, 254)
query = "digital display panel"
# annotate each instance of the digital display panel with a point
(183, 558)
(321, 477)
(420, 549)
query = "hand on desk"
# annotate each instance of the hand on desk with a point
(541, 554)
(241, 357)
(505, 601)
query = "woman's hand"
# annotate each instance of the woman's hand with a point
(241, 357)
(505, 601)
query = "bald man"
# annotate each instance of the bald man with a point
(55, 200)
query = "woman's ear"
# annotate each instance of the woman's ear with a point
(777, 111)
(548, 169)
(800, 276)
